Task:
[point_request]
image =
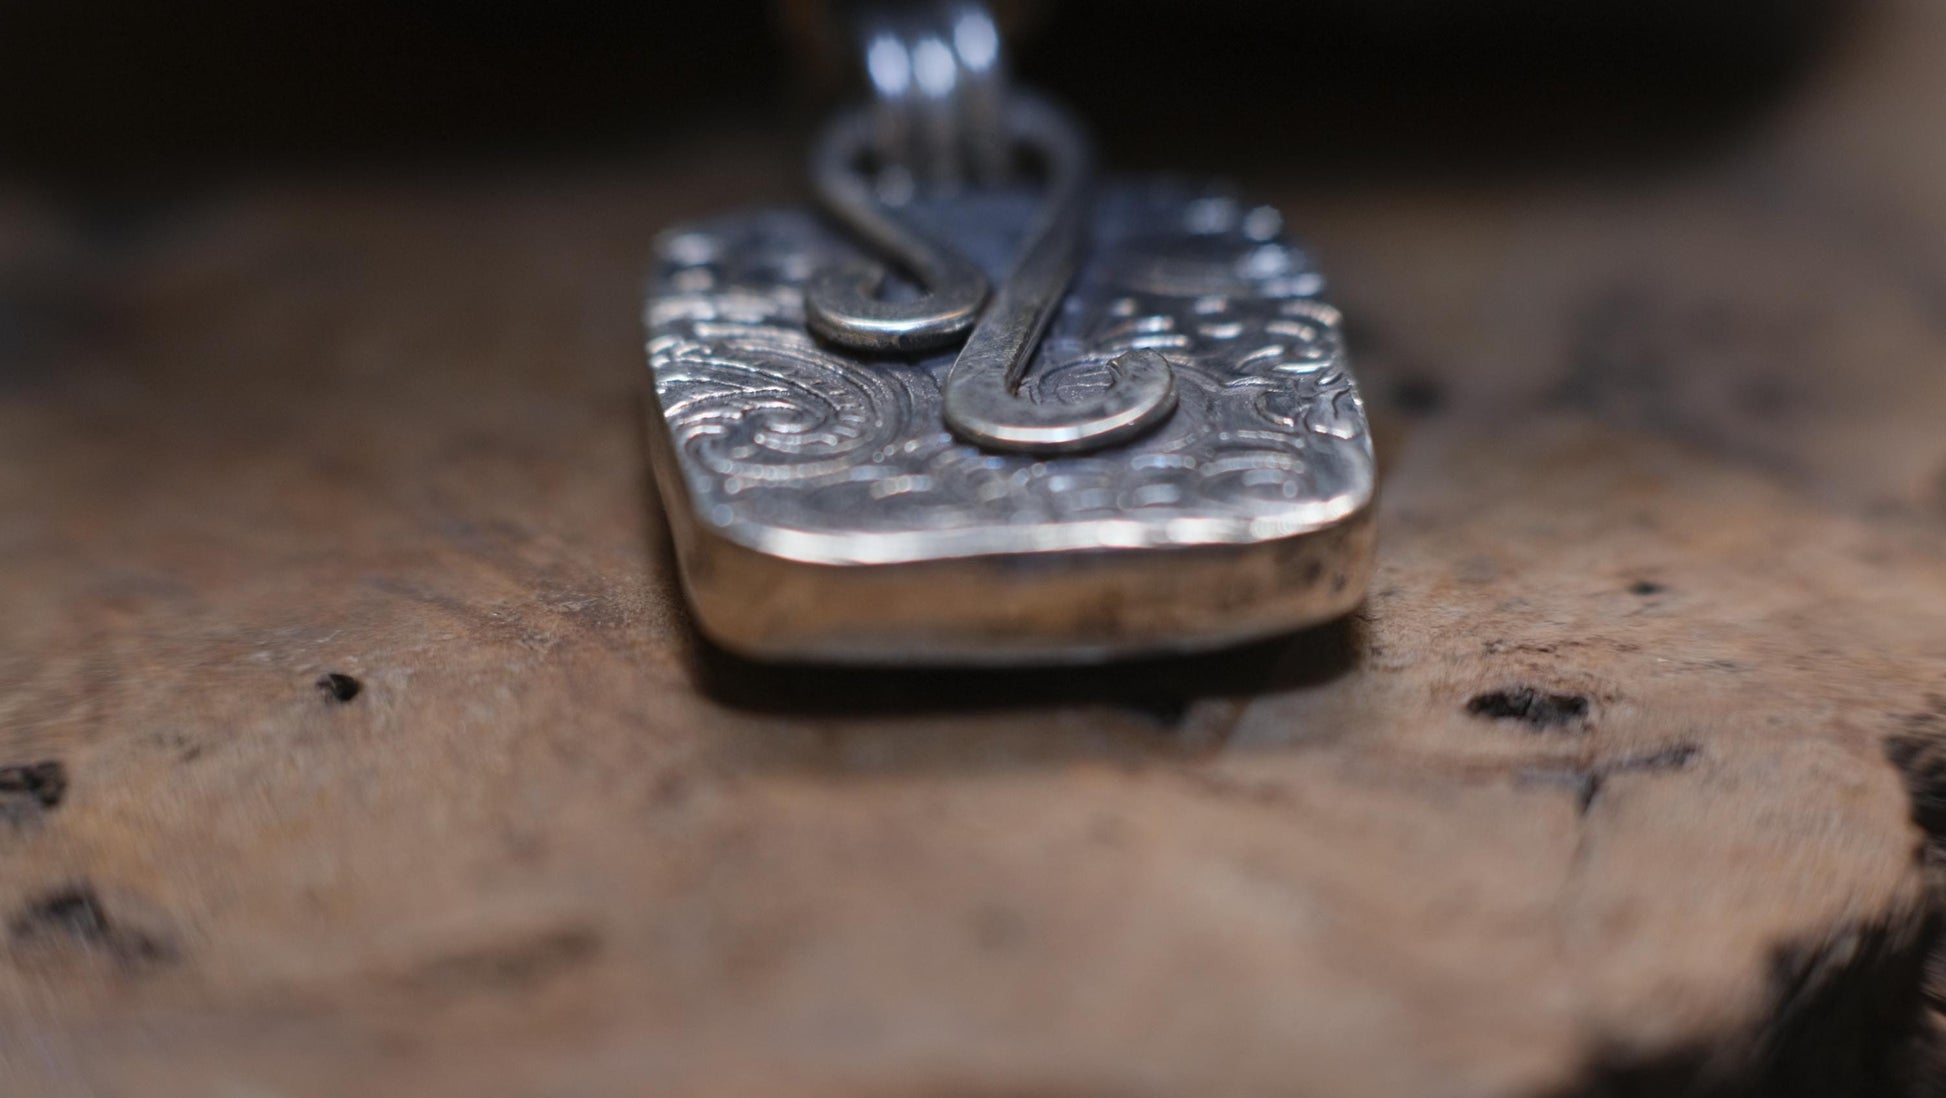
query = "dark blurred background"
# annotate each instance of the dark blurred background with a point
(110, 94)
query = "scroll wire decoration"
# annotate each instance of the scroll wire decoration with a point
(982, 402)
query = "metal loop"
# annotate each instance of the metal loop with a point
(842, 302)
(981, 400)
(940, 86)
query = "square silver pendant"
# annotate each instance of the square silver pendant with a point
(822, 510)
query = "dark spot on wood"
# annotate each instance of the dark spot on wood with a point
(1646, 588)
(75, 912)
(338, 687)
(31, 789)
(1535, 708)
(1419, 396)
(75, 915)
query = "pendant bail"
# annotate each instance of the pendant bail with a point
(939, 79)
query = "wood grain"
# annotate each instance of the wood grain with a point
(1616, 784)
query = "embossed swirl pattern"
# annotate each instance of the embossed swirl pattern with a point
(786, 433)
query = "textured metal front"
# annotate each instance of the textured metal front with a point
(795, 449)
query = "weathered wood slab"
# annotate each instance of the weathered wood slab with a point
(1604, 791)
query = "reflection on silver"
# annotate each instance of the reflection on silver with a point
(983, 91)
(939, 82)
(823, 508)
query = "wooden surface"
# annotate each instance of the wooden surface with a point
(1619, 783)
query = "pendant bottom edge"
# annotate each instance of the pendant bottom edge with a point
(1021, 610)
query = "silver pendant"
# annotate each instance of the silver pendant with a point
(1073, 422)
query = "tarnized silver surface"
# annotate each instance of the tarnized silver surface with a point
(791, 447)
